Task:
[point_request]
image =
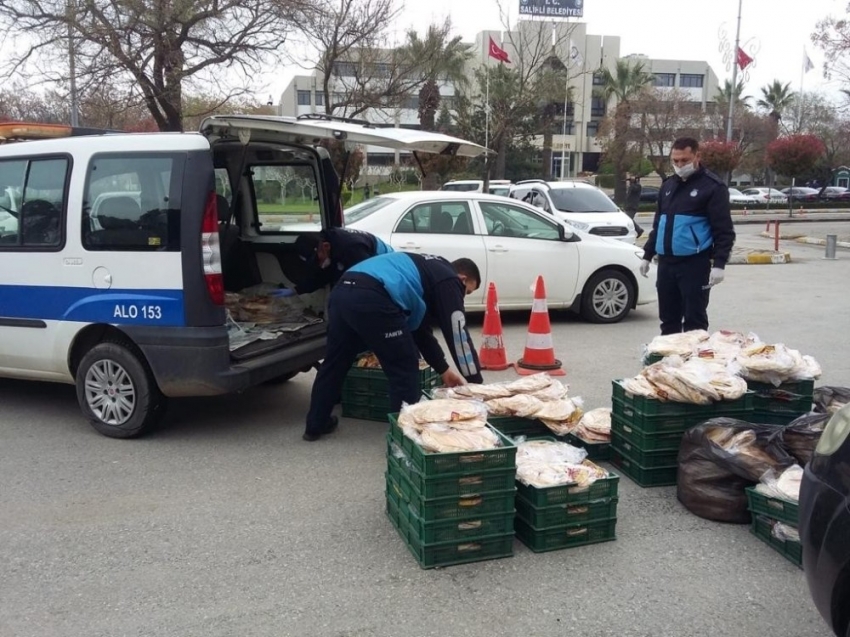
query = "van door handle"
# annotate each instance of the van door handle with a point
(498, 248)
(411, 246)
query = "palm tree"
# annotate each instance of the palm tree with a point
(626, 83)
(438, 58)
(723, 94)
(776, 98)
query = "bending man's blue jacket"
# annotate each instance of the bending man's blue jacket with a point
(427, 287)
(693, 216)
(348, 248)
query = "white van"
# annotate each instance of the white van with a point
(126, 259)
(477, 185)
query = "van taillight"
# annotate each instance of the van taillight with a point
(211, 252)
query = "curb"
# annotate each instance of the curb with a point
(821, 242)
(784, 236)
(760, 258)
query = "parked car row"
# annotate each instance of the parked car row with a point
(761, 196)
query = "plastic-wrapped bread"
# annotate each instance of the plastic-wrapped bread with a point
(521, 405)
(478, 391)
(555, 391)
(595, 425)
(444, 410)
(438, 438)
(529, 384)
(682, 343)
(566, 410)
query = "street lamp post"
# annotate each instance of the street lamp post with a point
(734, 86)
(72, 65)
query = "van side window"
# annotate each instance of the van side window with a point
(132, 203)
(32, 202)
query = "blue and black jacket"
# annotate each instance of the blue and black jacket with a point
(348, 248)
(428, 290)
(692, 218)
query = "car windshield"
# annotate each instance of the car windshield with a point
(582, 200)
(501, 190)
(366, 208)
(735, 192)
(461, 187)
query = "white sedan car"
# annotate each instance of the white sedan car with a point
(766, 194)
(512, 243)
(736, 196)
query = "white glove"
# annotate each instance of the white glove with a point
(716, 276)
(644, 267)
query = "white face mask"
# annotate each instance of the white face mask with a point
(685, 171)
(325, 264)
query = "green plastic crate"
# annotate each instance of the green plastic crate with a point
(649, 459)
(453, 552)
(433, 464)
(798, 387)
(783, 510)
(569, 494)
(648, 442)
(565, 537)
(762, 528)
(650, 359)
(655, 416)
(456, 484)
(453, 507)
(773, 418)
(566, 514)
(365, 412)
(596, 451)
(455, 529)
(373, 380)
(513, 426)
(643, 476)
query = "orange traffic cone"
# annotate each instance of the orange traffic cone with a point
(492, 354)
(539, 353)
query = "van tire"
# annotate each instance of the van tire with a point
(118, 361)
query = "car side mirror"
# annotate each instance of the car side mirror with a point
(566, 234)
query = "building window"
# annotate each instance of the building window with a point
(320, 99)
(381, 159)
(690, 80)
(664, 79)
(411, 102)
(339, 98)
(597, 106)
(303, 98)
(598, 79)
(592, 129)
(344, 69)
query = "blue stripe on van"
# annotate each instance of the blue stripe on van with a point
(89, 305)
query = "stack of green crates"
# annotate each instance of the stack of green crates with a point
(451, 508)
(366, 392)
(596, 451)
(567, 516)
(780, 405)
(646, 433)
(767, 512)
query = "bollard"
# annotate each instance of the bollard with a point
(776, 236)
(831, 243)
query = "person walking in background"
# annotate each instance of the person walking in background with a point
(633, 202)
(386, 305)
(692, 235)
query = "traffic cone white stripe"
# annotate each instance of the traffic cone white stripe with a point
(539, 341)
(539, 305)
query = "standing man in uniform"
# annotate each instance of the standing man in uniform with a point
(633, 202)
(692, 235)
(331, 252)
(385, 305)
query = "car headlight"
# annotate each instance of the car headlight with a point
(835, 433)
(579, 225)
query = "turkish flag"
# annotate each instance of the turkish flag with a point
(744, 60)
(498, 53)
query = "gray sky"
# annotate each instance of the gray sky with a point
(667, 29)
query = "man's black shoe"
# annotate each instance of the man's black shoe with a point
(333, 423)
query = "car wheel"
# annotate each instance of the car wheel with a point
(117, 392)
(607, 297)
(280, 380)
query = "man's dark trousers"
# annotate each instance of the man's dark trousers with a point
(683, 292)
(362, 316)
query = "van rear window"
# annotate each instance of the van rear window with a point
(132, 203)
(32, 202)
(287, 197)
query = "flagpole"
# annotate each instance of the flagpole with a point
(802, 79)
(487, 128)
(734, 75)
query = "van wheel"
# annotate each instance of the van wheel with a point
(280, 380)
(117, 392)
(607, 297)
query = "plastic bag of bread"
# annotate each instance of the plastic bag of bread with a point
(521, 405)
(555, 391)
(681, 344)
(719, 459)
(529, 384)
(444, 410)
(828, 400)
(443, 438)
(474, 391)
(595, 425)
(801, 436)
(785, 486)
(549, 451)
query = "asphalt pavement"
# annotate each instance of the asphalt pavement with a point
(226, 523)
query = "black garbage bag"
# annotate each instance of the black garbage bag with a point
(801, 436)
(719, 459)
(828, 400)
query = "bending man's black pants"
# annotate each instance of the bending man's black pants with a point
(361, 316)
(683, 293)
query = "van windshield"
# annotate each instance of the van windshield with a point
(582, 200)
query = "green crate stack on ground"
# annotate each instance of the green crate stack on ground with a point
(366, 392)
(451, 508)
(780, 405)
(567, 516)
(768, 511)
(596, 451)
(646, 433)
